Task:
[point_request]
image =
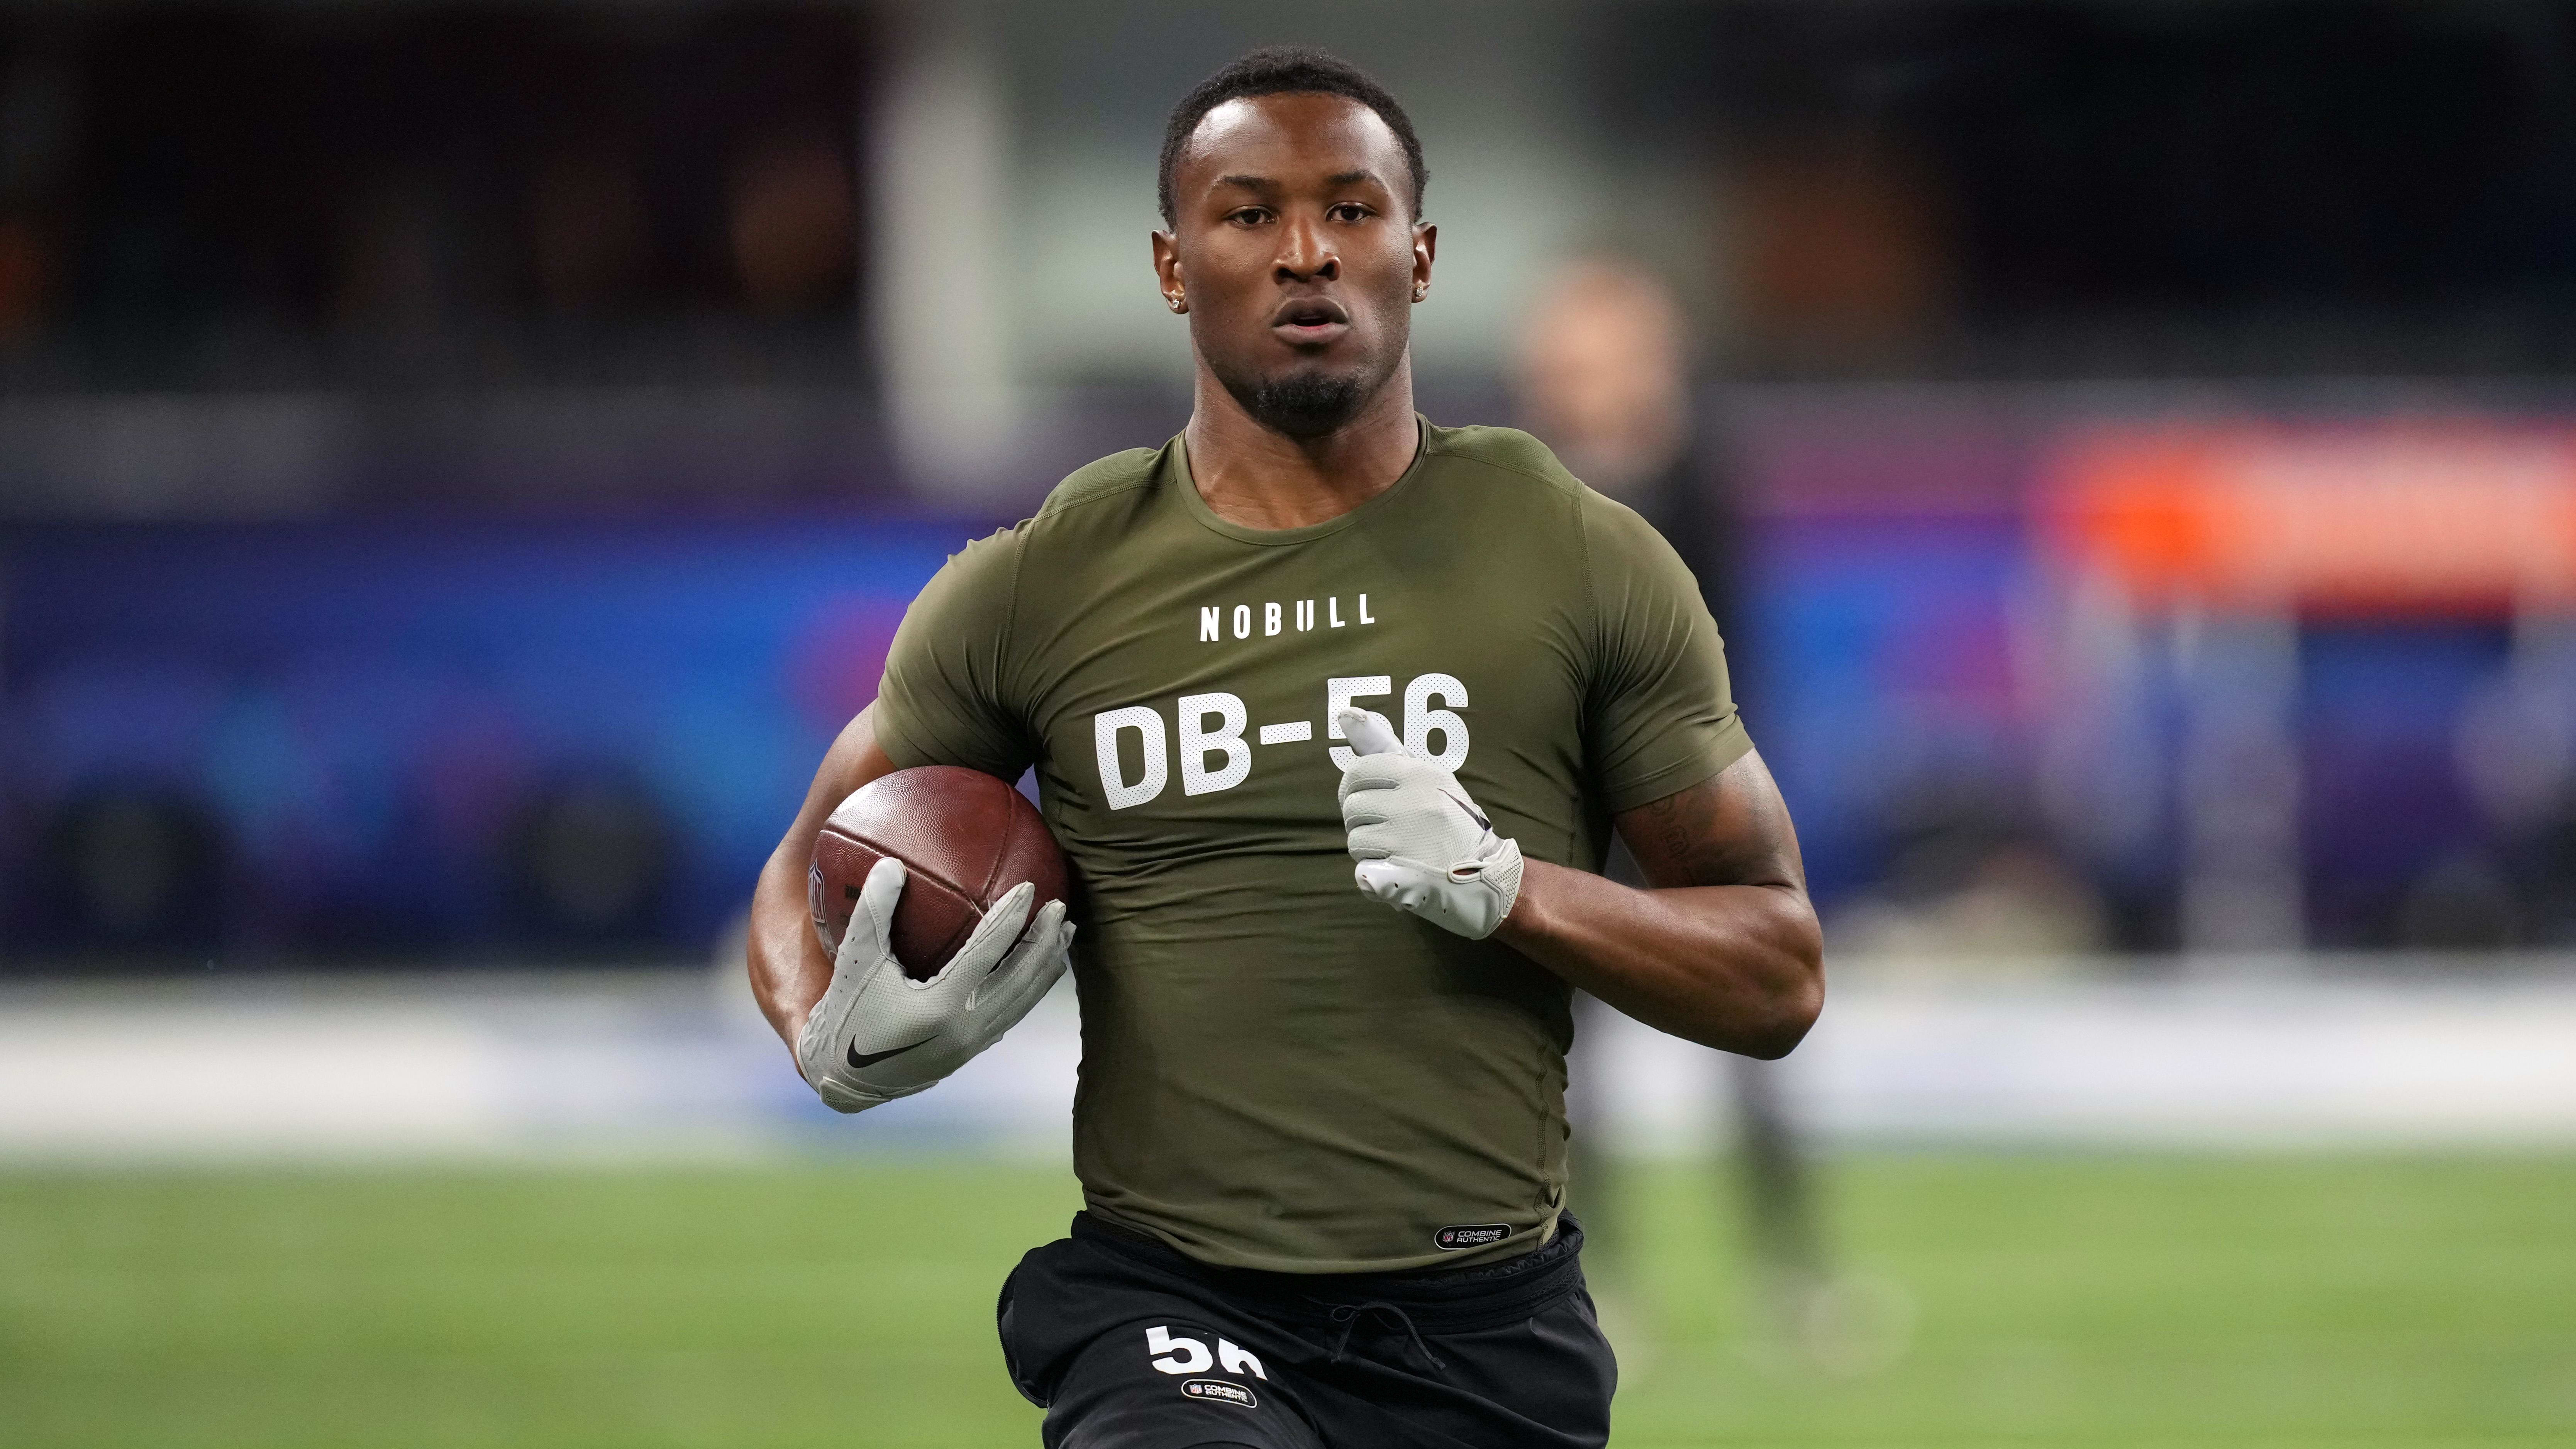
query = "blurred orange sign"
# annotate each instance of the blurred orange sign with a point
(2362, 518)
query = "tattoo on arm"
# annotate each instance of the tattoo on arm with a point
(1727, 830)
(1670, 820)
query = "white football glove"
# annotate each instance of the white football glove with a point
(877, 1034)
(1422, 844)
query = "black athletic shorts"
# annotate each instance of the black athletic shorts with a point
(1129, 1345)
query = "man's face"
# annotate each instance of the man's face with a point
(1294, 247)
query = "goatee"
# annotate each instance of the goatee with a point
(1300, 404)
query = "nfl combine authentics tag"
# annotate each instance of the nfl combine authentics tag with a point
(1220, 1391)
(1449, 1240)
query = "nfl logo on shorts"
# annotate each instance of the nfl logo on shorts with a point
(1219, 1391)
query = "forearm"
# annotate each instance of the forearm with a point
(1737, 967)
(789, 969)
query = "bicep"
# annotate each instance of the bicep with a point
(1659, 709)
(952, 693)
(1730, 829)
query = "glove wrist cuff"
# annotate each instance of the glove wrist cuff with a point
(1503, 875)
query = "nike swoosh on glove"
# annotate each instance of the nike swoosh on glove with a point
(1422, 844)
(877, 1034)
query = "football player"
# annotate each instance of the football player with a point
(1334, 711)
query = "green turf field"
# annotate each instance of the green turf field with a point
(2053, 1300)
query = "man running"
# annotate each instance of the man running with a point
(1320, 1128)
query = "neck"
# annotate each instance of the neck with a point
(1257, 477)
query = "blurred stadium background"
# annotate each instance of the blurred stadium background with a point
(459, 464)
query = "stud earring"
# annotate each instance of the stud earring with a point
(1420, 292)
(1179, 304)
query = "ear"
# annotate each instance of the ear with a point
(1167, 271)
(1426, 242)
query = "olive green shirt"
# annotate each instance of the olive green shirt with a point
(1279, 1072)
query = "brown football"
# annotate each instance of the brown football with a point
(964, 837)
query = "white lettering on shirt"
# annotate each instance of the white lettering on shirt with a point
(1115, 788)
(1215, 755)
(1198, 742)
(1420, 719)
(1342, 694)
(1276, 616)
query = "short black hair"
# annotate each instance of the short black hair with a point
(1283, 70)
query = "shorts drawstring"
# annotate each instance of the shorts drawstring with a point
(1348, 1315)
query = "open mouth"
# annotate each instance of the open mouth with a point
(1308, 321)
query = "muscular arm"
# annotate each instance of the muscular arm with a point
(788, 968)
(1724, 950)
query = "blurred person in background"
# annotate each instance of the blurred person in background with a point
(1602, 375)
(792, 224)
(1321, 1124)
